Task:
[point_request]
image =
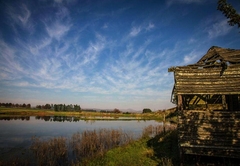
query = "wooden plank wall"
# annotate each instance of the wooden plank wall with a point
(207, 80)
(215, 133)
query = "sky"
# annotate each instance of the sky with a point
(104, 54)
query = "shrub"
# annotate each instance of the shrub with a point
(147, 110)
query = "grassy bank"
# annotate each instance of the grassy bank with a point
(143, 152)
(100, 147)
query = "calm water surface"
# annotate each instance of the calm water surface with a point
(17, 133)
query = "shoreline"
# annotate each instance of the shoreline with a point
(83, 115)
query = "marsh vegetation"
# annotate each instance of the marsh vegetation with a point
(96, 147)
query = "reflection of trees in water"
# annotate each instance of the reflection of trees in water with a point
(16, 118)
(58, 118)
(90, 120)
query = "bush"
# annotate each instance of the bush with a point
(147, 110)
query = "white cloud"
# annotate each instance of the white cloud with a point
(7, 59)
(59, 24)
(135, 31)
(150, 26)
(192, 57)
(57, 29)
(105, 26)
(20, 15)
(90, 54)
(35, 48)
(219, 28)
(25, 15)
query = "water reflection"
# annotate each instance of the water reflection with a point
(51, 126)
(16, 118)
(73, 118)
(18, 131)
(58, 118)
(86, 119)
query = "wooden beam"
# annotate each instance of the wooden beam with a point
(180, 103)
(224, 102)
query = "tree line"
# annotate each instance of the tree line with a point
(60, 107)
(55, 107)
(12, 105)
(63, 107)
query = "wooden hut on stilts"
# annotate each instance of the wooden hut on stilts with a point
(207, 95)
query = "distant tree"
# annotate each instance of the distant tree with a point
(116, 111)
(28, 106)
(77, 107)
(47, 106)
(38, 106)
(60, 107)
(229, 12)
(147, 110)
(55, 107)
(24, 105)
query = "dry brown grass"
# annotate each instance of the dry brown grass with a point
(80, 147)
(153, 130)
(50, 152)
(95, 143)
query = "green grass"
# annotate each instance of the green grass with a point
(159, 150)
(135, 154)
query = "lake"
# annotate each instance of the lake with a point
(16, 132)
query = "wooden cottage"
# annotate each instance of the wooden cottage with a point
(207, 95)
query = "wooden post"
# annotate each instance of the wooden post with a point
(180, 112)
(206, 100)
(180, 104)
(224, 102)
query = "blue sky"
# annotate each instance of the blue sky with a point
(104, 53)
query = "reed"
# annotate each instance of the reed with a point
(79, 148)
(90, 144)
(50, 152)
(93, 145)
(153, 130)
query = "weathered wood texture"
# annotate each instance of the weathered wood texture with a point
(209, 133)
(207, 81)
(208, 97)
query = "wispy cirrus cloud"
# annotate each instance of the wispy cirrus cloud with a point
(20, 16)
(9, 65)
(150, 26)
(24, 15)
(192, 57)
(135, 31)
(219, 28)
(91, 52)
(132, 75)
(57, 30)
